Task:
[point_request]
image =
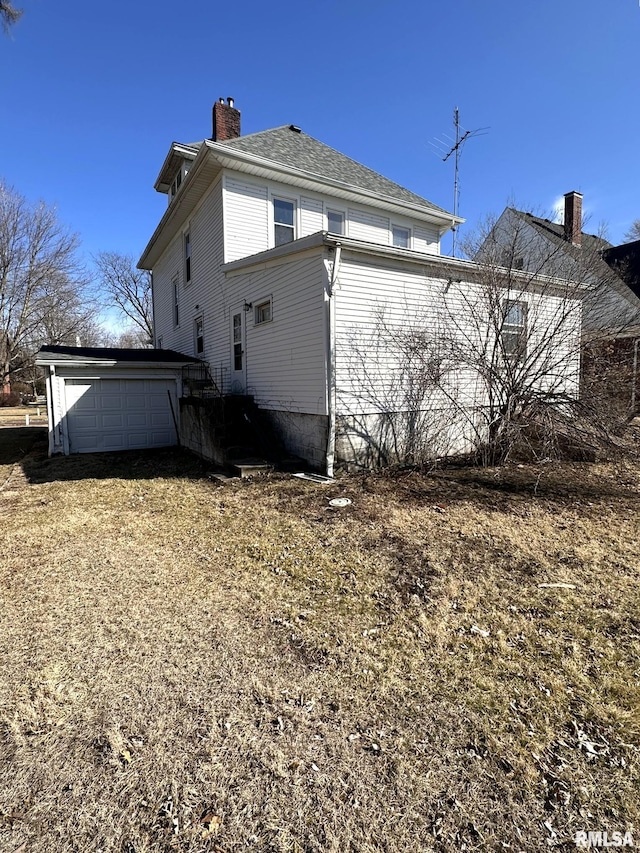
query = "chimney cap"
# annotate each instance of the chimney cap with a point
(573, 192)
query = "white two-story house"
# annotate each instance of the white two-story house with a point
(294, 272)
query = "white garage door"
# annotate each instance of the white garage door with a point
(119, 414)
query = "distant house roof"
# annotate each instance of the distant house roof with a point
(610, 265)
(555, 231)
(625, 260)
(61, 354)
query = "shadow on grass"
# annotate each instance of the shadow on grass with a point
(561, 482)
(124, 465)
(16, 442)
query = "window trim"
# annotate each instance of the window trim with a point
(294, 227)
(395, 226)
(187, 254)
(175, 281)
(518, 332)
(198, 320)
(341, 213)
(257, 305)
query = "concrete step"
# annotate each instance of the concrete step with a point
(249, 467)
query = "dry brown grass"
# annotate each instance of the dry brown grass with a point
(192, 666)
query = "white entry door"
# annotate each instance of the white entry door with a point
(238, 351)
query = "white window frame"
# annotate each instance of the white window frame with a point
(175, 283)
(336, 212)
(395, 226)
(198, 320)
(187, 255)
(260, 304)
(518, 333)
(294, 228)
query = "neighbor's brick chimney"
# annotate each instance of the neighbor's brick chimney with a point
(226, 121)
(573, 218)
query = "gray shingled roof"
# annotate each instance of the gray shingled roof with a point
(555, 231)
(300, 151)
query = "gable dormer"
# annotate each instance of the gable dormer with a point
(175, 169)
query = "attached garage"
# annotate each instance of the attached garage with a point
(105, 399)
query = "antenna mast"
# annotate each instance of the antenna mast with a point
(456, 149)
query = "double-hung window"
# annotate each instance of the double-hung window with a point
(176, 301)
(187, 257)
(335, 221)
(400, 236)
(283, 221)
(514, 329)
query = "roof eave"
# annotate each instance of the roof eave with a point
(177, 151)
(230, 158)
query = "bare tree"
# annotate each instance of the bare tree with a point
(9, 15)
(633, 232)
(44, 295)
(484, 356)
(130, 289)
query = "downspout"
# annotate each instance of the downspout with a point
(331, 362)
(635, 375)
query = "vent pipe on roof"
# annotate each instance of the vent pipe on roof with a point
(573, 218)
(226, 121)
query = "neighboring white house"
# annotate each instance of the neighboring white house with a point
(294, 272)
(527, 242)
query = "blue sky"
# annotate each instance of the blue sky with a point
(94, 94)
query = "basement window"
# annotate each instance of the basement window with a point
(263, 312)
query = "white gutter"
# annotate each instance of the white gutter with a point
(331, 361)
(230, 157)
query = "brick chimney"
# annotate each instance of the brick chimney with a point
(573, 218)
(226, 121)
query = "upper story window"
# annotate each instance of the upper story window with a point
(514, 329)
(335, 221)
(176, 301)
(401, 236)
(187, 257)
(283, 221)
(181, 174)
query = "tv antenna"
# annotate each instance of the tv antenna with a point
(456, 149)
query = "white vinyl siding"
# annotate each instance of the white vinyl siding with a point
(246, 218)
(203, 295)
(286, 357)
(381, 303)
(426, 240)
(369, 226)
(311, 215)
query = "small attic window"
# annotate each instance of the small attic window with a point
(181, 174)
